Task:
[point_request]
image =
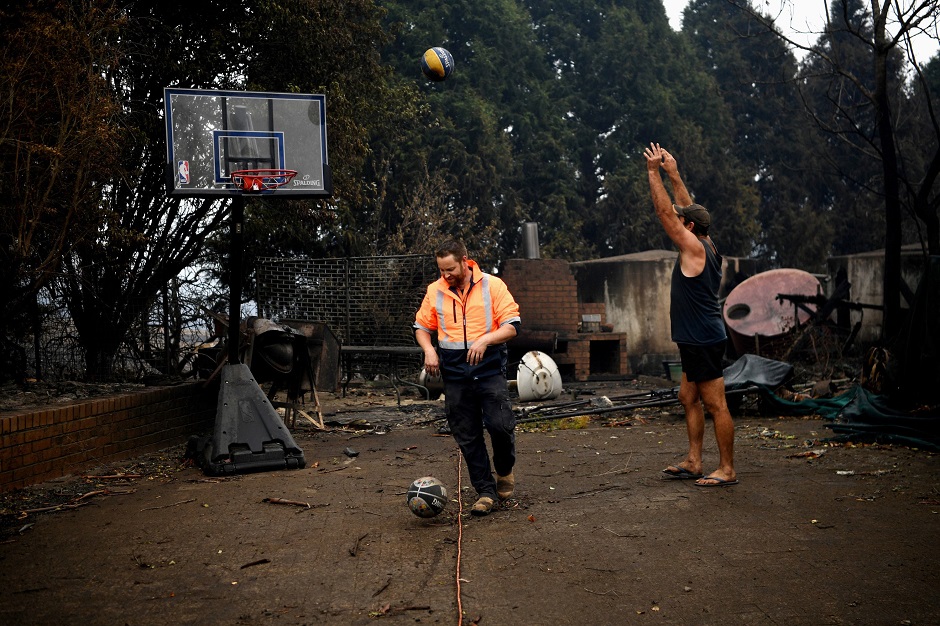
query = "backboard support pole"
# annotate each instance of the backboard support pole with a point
(236, 255)
(249, 434)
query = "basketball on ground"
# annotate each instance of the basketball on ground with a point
(427, 497)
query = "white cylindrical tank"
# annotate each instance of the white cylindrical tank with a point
(537, 377)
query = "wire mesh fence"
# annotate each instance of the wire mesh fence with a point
(365, 301)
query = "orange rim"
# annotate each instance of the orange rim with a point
(261, 179)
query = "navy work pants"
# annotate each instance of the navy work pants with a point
(475, 405)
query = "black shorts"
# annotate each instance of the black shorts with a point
(701, 363)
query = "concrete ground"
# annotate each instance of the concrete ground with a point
(813, 534)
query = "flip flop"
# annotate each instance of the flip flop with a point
(719, 482)
(680, 473)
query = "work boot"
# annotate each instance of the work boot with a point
(505, 485)
(483, 506)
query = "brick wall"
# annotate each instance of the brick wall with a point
(43, 444)
(546, 292)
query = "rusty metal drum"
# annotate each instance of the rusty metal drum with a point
(758, 320)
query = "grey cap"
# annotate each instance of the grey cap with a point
(694, 213)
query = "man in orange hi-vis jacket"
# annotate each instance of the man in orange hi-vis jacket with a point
(473, 316)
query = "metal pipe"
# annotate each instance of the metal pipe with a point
(530, 240)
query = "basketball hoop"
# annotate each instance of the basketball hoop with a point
(261, 180)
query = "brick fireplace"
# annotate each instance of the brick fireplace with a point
(574, 334)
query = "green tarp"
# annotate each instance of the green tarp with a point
(859, 415)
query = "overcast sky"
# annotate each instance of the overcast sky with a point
(805, 16)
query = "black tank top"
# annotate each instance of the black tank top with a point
(694, 310)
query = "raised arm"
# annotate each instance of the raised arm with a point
(692, 252)
(683, 197)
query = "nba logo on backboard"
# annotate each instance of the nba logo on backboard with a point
(182, 167)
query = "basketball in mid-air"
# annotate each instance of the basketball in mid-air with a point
(427, 497)
(437, 63)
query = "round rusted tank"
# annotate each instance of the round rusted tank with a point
(758, 321)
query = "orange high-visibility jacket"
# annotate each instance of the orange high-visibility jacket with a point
(458, 323)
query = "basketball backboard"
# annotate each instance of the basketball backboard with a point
(212, 133)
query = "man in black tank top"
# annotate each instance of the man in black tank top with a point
(697, 325)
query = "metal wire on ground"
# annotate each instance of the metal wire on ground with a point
(459, 539)
(656, 400)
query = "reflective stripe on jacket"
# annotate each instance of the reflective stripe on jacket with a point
(457, 323)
